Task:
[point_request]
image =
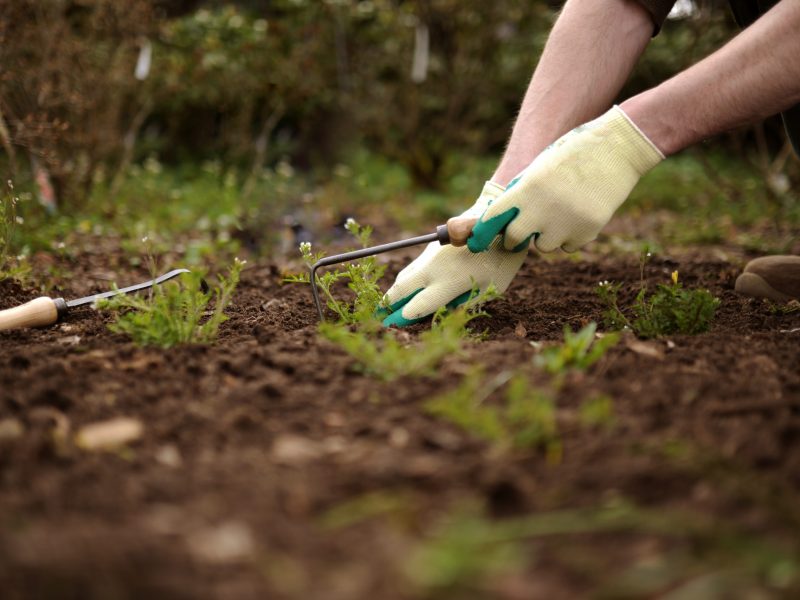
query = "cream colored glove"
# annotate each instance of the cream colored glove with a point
(571, 190)
(445, 275)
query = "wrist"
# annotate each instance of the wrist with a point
(654, 122)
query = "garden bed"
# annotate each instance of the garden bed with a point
(270, 466)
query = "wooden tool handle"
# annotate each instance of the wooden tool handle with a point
(459, 229)
(36, 313)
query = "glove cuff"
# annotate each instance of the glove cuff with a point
(640, 151)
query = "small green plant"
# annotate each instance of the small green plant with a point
(670, 309)
(10, 265)
(597, 411)
(525, 419)
(381, 353)
(361, 277)
(579, 351)
(468, 550)
(464, 552)
(174, 314)
(783, 309)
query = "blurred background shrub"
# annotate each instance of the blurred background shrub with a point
(90, 87)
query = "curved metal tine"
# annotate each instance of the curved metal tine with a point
(363, 253)
(127, 290)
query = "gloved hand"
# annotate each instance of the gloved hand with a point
(445, 275)
(571, 190)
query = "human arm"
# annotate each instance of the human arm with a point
(589, 55)
(755, 75)
(571, 190)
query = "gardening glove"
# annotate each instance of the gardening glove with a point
(445, 275)
(571, 190)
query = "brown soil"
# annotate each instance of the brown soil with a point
(250, 443)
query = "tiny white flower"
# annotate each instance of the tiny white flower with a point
(19, 220)
(145, 239)
(61, 245)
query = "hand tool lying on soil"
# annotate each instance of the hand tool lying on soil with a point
(46, 311)
(455, 232)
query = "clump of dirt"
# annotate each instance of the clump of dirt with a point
(249, 443)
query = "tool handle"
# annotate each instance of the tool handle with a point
(457, 230)
(36, 313)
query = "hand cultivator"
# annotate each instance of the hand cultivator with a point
(455, 232)
(46, 311)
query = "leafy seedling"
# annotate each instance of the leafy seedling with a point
(10, 265)
(524, 418)
(579, 351)
(467, 550)
(381, 353)
(174, 314)
(670, 309)
(598, 412)
(361, 278)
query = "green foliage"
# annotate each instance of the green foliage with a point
(10, 264)
(706, 196)
(597, 412)
(525, 419)
(788, 308)
(467, 550)
(361, 278)
(670, 309)
(464, 551)
(8, 222)
(578, 352)
(383, 354)
(366, 507)
(174, 314)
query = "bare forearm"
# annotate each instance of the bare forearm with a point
(588, 57)
(757, 74)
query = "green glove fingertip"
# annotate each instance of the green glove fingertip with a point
(396, 310)
(459, 300)
(396, 319)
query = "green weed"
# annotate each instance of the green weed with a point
(597, 412)
(670, 309)
(361, 278)
(380, 503)
(525, 419)
(465, 551)
(579, 351)
(10, 265)
(788, 308)
(469, 551)
(174, 314)
(381, 353)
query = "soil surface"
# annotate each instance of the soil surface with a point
(270, 467)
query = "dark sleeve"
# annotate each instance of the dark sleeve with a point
(658, 9)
